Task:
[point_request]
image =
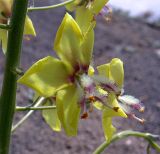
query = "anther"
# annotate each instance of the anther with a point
(116, 109)
(84, 115)
(92, 99)
(136, 118)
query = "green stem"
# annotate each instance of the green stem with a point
(147, 136)
(18, 108)
(8, 94)
(5, 26)
(51, 6)
(38, 102)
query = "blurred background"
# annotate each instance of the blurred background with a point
(133, 34)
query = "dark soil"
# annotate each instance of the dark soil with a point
(137, 44)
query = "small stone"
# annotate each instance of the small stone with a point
(128, 142)
(130, 49)
(157, 51)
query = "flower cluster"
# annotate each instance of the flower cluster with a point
(71, 79)
(5, 14)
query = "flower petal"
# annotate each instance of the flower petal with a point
(68, 109)
(98, 5)
(89, 13)
(91, 70)
(5, 9)
(51, 118)
(104, 70)
(108, 128)
(73, 5)
(68, 41)
(3, 39)
(86, 20)
(117, 72)
(113, 103)
(87, 47)
(29, 28)
(46, 76)
(113, 70)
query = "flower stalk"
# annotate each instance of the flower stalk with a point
(5, 26)
(38, 102)
(8, 94)
(18, 108)
(51, 6)
(147, 136)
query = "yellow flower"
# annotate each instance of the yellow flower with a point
(113, 74)
(111, 81)
(5, 14)
(64, 78)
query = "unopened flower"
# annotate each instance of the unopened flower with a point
(5, 14)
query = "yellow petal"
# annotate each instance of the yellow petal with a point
(46, 76)
(117, 72)
(51, 117)
(108, 128)
(91, 71)
(5, 8)
(86, 20)
(98, 5)
(73, 5)
(68, 109)
(3, 39)
(68, 40)
(113, 70)
(29, 28)
(112, 102)
(104, 70)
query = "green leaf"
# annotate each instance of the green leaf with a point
(68, 109)
(46, 76)
(51, 117)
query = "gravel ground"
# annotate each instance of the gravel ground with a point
(137, 44)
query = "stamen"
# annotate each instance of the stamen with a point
(107, 84)
(92, 99)
(138, 107)
(91, 108)
(136, 118)
(131, 102)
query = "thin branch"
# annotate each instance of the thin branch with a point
(147, 136)
(5, 26)
(39, 102)
(51, 6)
(18, 108)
